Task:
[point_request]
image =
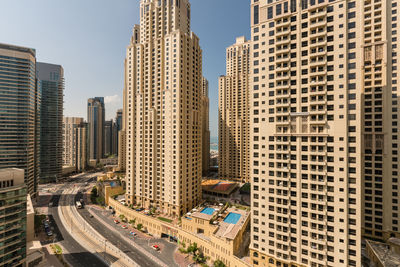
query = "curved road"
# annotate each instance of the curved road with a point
(86, 258)
(77, 255)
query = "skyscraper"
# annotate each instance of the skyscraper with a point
(164, 91)
(82, 146)
(324, 116)
(13, 196)
(118, 125)
(234, 114)
(70, 145)
(96, 120)
(19, 116)
(205, 126)
(109, 137)
(50, 82)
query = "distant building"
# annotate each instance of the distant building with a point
(13, 198)
(96, 121)
(70, 126)
(19, 116)
(234, 114)
(82, 146)
(205, 126)
(108, 137)
(122, 133)
(118, 127)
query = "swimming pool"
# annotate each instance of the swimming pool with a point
(208, 211)
(232, 218)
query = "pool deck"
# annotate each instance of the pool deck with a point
(205, 216)
(228, 230)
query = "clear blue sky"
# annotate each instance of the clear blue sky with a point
(88, 38)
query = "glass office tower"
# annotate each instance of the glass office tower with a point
(19, 119)
(50, 83)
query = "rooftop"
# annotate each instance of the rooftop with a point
(228, 221)
(385, 255)
(17, 175)
(218, 186)
(229, 228)
(395, 241)
(18, 48)
(205, 213)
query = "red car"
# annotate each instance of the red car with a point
(124, 226)
(116, 221)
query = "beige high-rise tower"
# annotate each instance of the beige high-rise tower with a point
(70, 125)
(205, 116)
(324, 165)
(234, 114)
(164, 91)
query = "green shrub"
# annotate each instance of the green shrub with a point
(165, 219)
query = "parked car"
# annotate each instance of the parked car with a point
(116, 221)
(49, 233)
(133, 233)
(124, 226)
(156, 247)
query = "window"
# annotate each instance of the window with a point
(278, 9)
(270, 12)
(256, 15)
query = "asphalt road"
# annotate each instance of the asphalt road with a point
(77, 255)
(125, 247)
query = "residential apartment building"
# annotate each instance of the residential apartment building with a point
(164, 91)
(380, 119)
(205, 118)
(82, 146)
(122, 156)
(96, 120)
(19, 116)
(70, 126)
(323, 125)
(13, 209)
(50, 83)
(234, 114)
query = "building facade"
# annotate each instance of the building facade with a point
(96, 120)
(205, 126)
(108, 137)
(234, 114)
(164, 90)
(322, 99)
(82, 146)
(379, 73)
(70, 126)
(50, 83)
(122, 156)
(118, 128)
(19, 116)
(13, 208)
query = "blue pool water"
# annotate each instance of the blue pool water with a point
(208, 211)
(232, 218)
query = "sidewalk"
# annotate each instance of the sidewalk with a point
(144, 246)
